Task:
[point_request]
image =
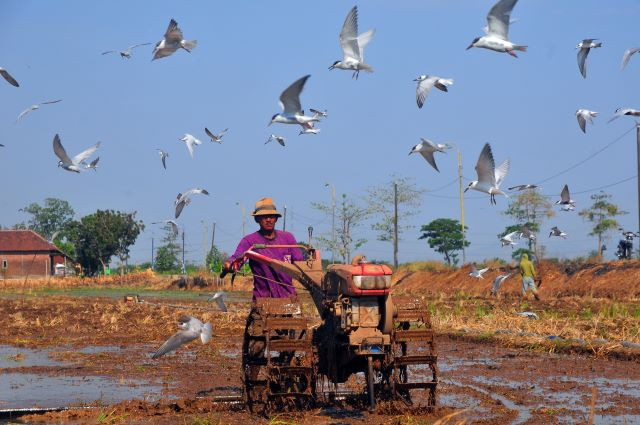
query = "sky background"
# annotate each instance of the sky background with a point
(249, 51)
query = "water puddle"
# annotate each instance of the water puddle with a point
(11, 357)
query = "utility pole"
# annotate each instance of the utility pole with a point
(244, 214)
(205, 233)
(184, 268)
(464, 256)
(153, 262)
(213, 236)
(395, 225)
(333, 221)
(284, 221)
(638, 159)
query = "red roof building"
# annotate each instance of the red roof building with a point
(24, 253)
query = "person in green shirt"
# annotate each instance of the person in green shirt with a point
(528, 273)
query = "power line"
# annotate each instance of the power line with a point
(606, 185)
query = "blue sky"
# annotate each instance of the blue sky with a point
(248, 52)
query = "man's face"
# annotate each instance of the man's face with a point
(267, 222)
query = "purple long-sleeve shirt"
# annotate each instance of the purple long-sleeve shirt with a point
(266, 287)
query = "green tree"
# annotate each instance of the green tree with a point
(602, 214)
(215, 258)
(167, 254)
(382, 201)
(49, 219)
(99, 236)
(445, 236)
(349, 215)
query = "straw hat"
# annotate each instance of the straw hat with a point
(265, 206)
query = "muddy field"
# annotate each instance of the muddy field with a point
(90, 349)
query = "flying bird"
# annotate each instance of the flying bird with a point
(426, 148)
(523, 187)
(190, 141)
(625, 111)
(627, 55)
(173, 224)
(218, 297)
(426, 82)
(74, 164)
(183, 199)
(319, 113)
(163, 156)
(584, 115)
(172, 41)
(508, 239)
(278, 139)
(215, 137)
(497, 282)
(126, 53)
(353, 45)
(8, 77)
(584, 47)
(489, 177)
(311, 130)
(93, 165)
(565, 197)
(292, 112)
(497, 31)
(527, 233)
(190, 329)
(34, 107)
(477, 273)
(557, 232)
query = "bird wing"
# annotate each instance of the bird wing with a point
(59, 150)
(164, 164)
(26, 111)
(209, 133)
(349, 35)
(223, 132)
(498, 18)
(482, 271)
(93, 163)
(486, 166)
(82, 156)
(137, 45)
(428, 155)
(363, 40)
(564, 195)
(280, 140)
(174, 226)
(474, 270)
(582, 122)
(173, 33)
(501, 172)
(108, 51)
(189, 143)
(627, 55)
(582, 60)
(518, 187)
(442, 83)
(205, 333)
(194, 192)
(8, 77)
(290, 97)
(179, 206)
(218, 297)
(423, 88)
(51, 101)
(175, 341)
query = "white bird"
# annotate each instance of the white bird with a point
(8, 77)
(497, 282)
(565, 197)
(353, 45)
(163, 156)
(311, 130)
(489, 177)
(34, 107)
(557, 232)
(126, 53)
(190, 141)
(426, 148)
(627, 55)
(183, 199)
(292, 112)
(319, 113)
(426, 82)
(218, 297)
(584, 115)
(477, 273)
(508, 239)
(584, 47)
(173, 224)
(190, 329)
(172, 41)
(528, 315)
(278, 139)
(93, 165)
(74, 164)
(216, 137)
(523, 187)
(497, 37)
(625, 111)
(567, 207)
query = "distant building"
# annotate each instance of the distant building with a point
(24, 253)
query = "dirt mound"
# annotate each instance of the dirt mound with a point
(616, 280)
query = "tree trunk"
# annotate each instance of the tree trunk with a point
(446, 257)
(599, 247)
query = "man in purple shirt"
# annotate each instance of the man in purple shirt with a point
(268, 282)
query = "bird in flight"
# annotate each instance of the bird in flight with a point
(557, 232)
(5, 74)
(477, 273)
(523, 187)
(620, 112)
(189, 140)
(353, 45)
(426, 148)
(627, 55)
(173, 224)
(584, 115)
(172, 41)
(508, 239)
(497, 30)
(190, 330)
(584, 47)
(319, 113)
(489, 177)
(215, 137)
(126, 53)
(292, 112)
(36, 106)
(218, 297)
(184, 199)
(163, 156)
(278, 139)
(426, 82)
(565, 198)
(497, 282)
(74, 164)
(93, 165)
